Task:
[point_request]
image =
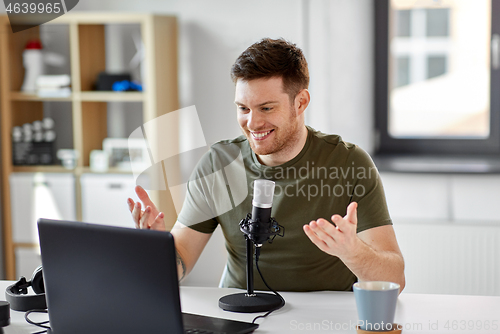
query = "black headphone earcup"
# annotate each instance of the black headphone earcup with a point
(26, 302)
(37, 281)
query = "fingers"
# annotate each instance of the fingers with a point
(314, 238)
(159, 223)
(143, 221)
(136, 214)
(322, 230)
(326, 228)
(148, 218)
(146, 222)
(144, 197)
(337, 238)
(352, 213)
(130, 203)
(322, 233)
(349, 221)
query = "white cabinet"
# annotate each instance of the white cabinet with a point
(104, 198)
(39, 195)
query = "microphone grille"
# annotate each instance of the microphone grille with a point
(263, 192)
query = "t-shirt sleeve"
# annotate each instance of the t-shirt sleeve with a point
(197, 210)
(368, 192)
(216, 184)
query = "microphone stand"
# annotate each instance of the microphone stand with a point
(249, 245)
(250, 302)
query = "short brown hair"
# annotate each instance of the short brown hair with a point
(273, 58)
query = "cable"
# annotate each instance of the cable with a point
(38, 324)
(257, 254)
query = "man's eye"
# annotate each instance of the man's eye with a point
(243, 109)
(266, 108)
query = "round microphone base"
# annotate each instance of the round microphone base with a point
(243, 303)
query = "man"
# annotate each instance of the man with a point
(319, 177)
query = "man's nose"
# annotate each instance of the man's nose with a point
(255, 120)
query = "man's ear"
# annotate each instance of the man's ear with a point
(302, 100)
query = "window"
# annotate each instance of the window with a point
(437, 76)
(436, 66)
(402, 71)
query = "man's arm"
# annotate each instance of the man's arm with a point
(379, 258)
(188, 243)
(372, 255)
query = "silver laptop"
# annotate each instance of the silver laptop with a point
(105, 279)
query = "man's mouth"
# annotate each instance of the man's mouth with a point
(261, 135)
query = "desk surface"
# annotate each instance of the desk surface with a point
(335, 312)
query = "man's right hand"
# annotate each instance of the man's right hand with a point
(150, 217)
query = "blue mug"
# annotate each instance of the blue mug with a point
(376, 304)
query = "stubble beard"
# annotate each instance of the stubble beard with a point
(285, 139)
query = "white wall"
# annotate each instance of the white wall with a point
(340, 55)
(448, 228)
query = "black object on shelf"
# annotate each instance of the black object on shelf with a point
(33, 153)
(105, 80)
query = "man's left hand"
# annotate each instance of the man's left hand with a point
(337, 239)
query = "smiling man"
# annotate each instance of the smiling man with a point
(272, 124)
(329, 196)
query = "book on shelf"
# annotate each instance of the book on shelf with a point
(56, 86)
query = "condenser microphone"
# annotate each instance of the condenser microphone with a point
(262, 204)
(259, 226)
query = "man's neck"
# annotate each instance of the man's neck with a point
(279, 158)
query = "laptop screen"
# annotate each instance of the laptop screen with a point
(103, 279)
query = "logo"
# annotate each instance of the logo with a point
(215, 177)
(26, 14)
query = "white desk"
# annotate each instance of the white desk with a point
(335, 312)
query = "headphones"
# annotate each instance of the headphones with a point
(17, 294)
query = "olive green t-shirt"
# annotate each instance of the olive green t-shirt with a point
(320, 181)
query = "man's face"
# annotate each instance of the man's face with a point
(266, 116)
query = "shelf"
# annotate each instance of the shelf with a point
(110, 96)
(111, 170)
(83, 96)
(61, 169)
(20, 96)
(99, 18)
(82, 118)
(41, 169)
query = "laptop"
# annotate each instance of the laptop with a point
(106, 279)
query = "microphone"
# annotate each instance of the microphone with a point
(258, 226)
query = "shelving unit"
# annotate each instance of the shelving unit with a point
(88, 108)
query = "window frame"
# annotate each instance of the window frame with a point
(387, 145)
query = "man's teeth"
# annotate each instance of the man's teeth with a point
(261, 134)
